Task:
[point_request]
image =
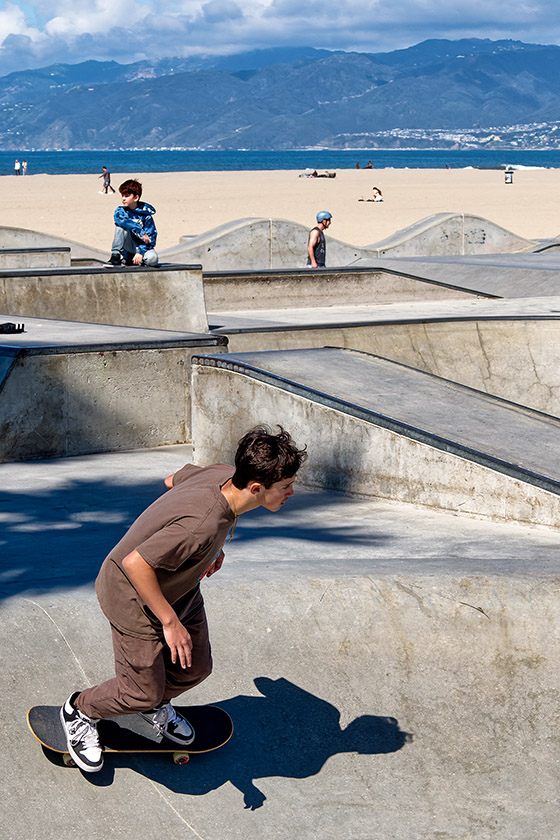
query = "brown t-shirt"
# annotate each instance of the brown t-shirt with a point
(179, 535)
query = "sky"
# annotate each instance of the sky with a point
(37, 33)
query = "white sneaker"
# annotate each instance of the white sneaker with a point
(169, 724)
(81, 737)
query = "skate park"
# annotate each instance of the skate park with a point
(388, 645)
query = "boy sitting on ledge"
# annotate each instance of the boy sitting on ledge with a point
(135, 231)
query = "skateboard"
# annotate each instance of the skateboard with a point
(132, 734)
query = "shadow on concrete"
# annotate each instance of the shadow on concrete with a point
(286, 731)
(57, 538)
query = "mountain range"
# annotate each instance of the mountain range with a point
(283, 98)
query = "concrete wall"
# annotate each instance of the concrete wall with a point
(517, 360)
(168, 298)
(14, 237)
(355, 455)
(445, 234)
(226, 292)
(256, 243)
(34, 257)
(62, 404)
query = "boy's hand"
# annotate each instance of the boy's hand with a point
(137, 259)
(146, 238)
(179, 643)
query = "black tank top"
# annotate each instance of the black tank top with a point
(320, 249)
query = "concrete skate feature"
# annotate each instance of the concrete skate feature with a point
(372, 655)
(258, 243)
(34, 257)
(444, 234)
(500, 275)
(16, 237)
(267, 243)
(379, 428)
(285, 289)
(508, 348)
(169, 297)
(71, 388)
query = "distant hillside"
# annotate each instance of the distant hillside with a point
(281, 98)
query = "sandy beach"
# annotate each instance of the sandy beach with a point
(189, 203)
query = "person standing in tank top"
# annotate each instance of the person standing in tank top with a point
(316, 244)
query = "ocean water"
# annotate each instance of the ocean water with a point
(133, 161)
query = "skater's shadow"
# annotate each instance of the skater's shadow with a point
(284, 732)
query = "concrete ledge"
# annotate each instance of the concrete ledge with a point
(34, 257)
(508, 349)
(168, 297)
(66, 390)
(284, 289)
(375, 428)
(16, 237)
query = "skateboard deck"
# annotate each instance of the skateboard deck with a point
(132, 734)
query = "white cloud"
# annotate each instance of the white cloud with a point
(13, 22)
(33, 34)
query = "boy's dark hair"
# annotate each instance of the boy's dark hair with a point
(131, 187)
(265, 457)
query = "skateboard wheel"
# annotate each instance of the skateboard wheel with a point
(68, 761)
(181, 758)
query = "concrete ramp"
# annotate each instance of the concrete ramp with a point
(391, 672)
(69, 388)
(257, 243)
(378, 428)
(444, 234)
(34, 257)
(500, 275)
(16, 237)
(169, 297)
(508, 348)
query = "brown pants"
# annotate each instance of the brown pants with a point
(145, 676)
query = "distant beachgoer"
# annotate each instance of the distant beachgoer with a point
(106, 175)
(358, 165)
(369, 165)
(135, 232)
(316, 245)
(377, 195)
(17, 167)
(24, 167)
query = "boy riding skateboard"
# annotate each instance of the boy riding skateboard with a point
(149, 589)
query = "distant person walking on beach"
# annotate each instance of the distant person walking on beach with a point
(17, 167)
(24, 167)
(316, 245)
(106, 175)
(135, 232)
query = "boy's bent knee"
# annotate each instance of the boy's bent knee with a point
(150, 258)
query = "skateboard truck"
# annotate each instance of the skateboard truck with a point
(10, 327)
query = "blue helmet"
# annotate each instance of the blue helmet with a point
(322, 215)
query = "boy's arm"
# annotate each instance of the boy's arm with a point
(144, 580)
(122, 219)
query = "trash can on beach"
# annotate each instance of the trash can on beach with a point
(509, 176)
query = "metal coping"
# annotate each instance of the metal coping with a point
(20, 350)
(374, 418)
(334, 325)
(45, 249)
(306, 272)
(94, 269)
